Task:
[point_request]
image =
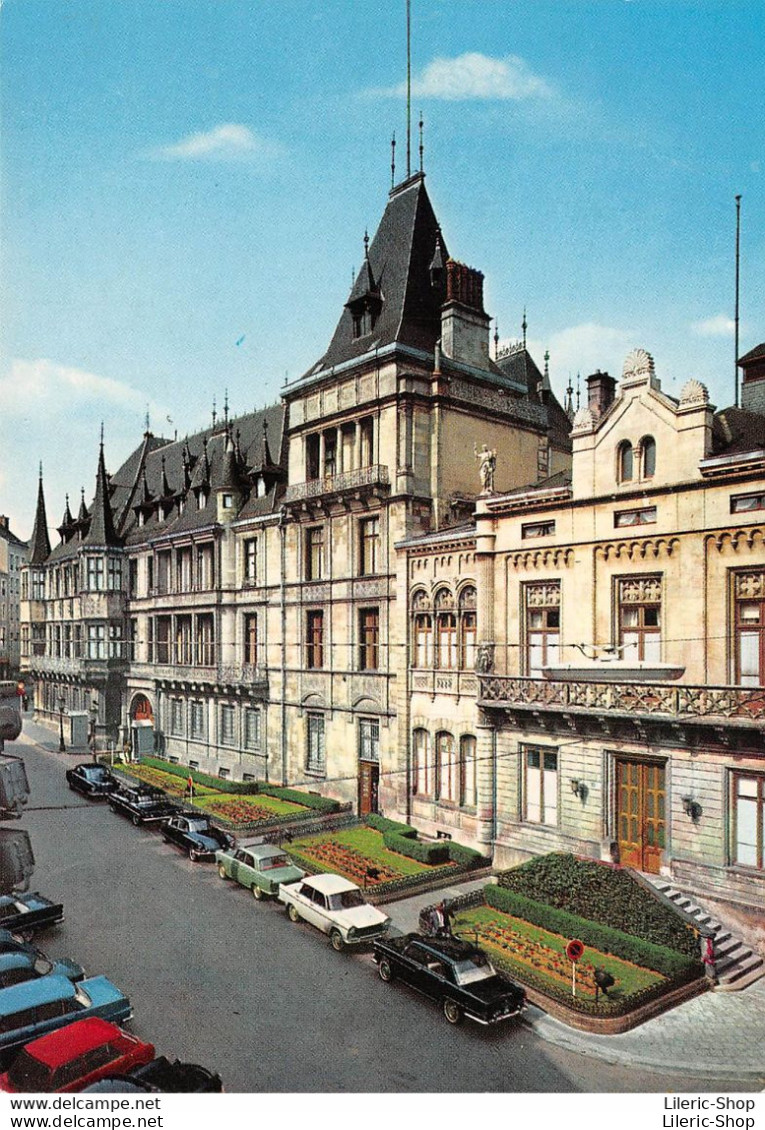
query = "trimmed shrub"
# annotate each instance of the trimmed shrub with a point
(465, 856)
(599, 893)
(219, 784)
(309, 800)
(432, 854)
(383, 824)
(660, 959)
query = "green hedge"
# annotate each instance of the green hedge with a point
(465, 856)
(383, 824)
(600, 893)
(309, 800)
(662, 960)
(432, 854)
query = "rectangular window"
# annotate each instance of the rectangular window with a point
(114, 575)
(205, 641)
(312, 457)
(184, 651)
(641, 517)
(149, 575)
(132, 576)
(95, 572)
(748, 826)
(163, 572)
(468, 783)
(422, 783)
(205, 567)
(369, 739)
(251, 639)
(251, 728)
(183, 570)
(330, 454)
(423, 640)
(537, 529)
(133, 640)
(250, 561)
(743, 503)
(115, 641)
(369, 543)
(197, 723)
(446, 640)
(541, 786)
(96, 641)
(541, 626)
(369, 639)
(314, 655)
(227, 724)
(162, 628)
(315, 753)
(314, 553)
(749, 628)
(176, 716)
(447, 782)
(468, 640)
(640, 618)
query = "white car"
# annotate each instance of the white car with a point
(336, 906)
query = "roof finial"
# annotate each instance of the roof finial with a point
(547, 365)
(496, 338)
(147, 421)
(102, 435)
(214, 412)
(578, 390)
(366, 244)
(408, 89)
(524, 327)
(393, 161)
(225, 409)
(41, 470)
(422, 147)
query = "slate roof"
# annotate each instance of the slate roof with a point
(736, 430)
(39, 543)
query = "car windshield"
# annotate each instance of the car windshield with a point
(346, 900)
(198, 826)
(476, 968)
(274, 861)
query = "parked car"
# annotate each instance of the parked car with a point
(26, 914)
(17, 967)
(38, 1007)
(144, 804)
(163, 1075)
(197, 835)
(454, 973)
(337, 907)
(74, 1057)
(259, 867)
(92, 779)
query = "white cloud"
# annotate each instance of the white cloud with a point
(43, 387)
(227, 142)
(584, 349)
(718, 326)
(475, 76)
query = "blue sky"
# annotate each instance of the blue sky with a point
(186, 185)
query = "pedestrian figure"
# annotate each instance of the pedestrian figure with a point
(708, 958)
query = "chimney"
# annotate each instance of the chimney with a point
(464, 323)
(3, 522)
(600, 391)
(753, 383)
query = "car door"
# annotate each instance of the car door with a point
(308, 907)
(417, 973)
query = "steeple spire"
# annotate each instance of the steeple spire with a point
(40, 542)
(101, 530)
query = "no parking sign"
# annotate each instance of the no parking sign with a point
(574, 951)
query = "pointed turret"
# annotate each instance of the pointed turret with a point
(39, 543)
(101, 531)
(67, 527)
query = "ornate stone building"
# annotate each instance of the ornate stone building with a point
(232, 598)
(621, 637)
(13, 556)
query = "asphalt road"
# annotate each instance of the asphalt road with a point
(218, 979)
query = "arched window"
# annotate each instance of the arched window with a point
(447, 783)
(446, 631)
(422, 631)
(468, 790)
(648, 446)
(422, 777)
(467, 603)
(626, 461)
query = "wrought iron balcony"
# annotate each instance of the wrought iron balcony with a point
(376, 475)
(663, 701)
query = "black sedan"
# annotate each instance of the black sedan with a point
(197, 835)
(24, 915)
(92, 780)
(172, 1077)
(144, 804)
(455, 974)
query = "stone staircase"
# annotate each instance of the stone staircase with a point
(737, 965)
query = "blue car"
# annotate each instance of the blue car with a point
(196, 834)
(18, 967)
(36, 1007)
(25, 914)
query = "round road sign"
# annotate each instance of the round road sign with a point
(574, 950)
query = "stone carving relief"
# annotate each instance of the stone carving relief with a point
(693, 392)
(638, 365)
(640, 590)
(545, 595)
(750, 586)
(487, 465)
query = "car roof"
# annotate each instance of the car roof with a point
(15, 959)
(54, 987)
(73, 1040)
(264, 851)
(454, 948)
(331, 884)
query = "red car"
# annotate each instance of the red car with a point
(74, 1057)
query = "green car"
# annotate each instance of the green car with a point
(259, 867)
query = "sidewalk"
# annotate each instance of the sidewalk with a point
(715, 1034)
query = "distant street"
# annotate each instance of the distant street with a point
(223, 981)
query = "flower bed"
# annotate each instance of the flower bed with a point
(355, 851)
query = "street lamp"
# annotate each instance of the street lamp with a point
(61, 705)
(93, 717)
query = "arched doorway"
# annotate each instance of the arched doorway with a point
(141, 726)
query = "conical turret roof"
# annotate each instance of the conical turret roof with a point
(101, 531)
(39, 543)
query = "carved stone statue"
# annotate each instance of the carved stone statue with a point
(484, 661)
(486, 466)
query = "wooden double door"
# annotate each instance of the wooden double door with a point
(641, 814)
(369, 784)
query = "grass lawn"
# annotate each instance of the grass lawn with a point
(352, 851)
(523, 947)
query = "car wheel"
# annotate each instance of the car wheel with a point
(222, 871)
(72, 787)
(257, 892)
(336, 938)
(193, 855)
(292, 912)
(385, 971)
(136, 820)
(453, 1012)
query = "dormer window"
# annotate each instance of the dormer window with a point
(365, 314)
(228, 501)
(625, 462)
(202, 499)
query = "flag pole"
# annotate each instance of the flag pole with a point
(738, 275)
